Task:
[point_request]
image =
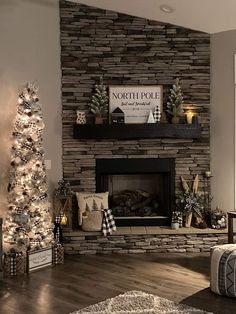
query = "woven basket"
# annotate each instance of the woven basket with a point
(58, 254)
(92, 221)
(14, 265)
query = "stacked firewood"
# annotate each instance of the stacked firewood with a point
(128, 203)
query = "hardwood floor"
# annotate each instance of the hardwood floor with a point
(85, 280)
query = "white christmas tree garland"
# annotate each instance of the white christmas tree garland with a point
(28, 223)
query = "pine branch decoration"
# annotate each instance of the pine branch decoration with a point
(191, 201)
(99, 103)
(175, 103)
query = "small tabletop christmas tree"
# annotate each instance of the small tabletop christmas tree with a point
(28, 223)
(175, 103)
(99, 103)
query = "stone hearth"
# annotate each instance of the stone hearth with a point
(144, 240)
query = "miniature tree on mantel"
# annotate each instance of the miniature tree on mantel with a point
(99, 103)
(175, 103)
(28, 223)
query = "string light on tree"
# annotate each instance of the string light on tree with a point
(28, 223)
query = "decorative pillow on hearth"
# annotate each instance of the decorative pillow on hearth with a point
(88, 202)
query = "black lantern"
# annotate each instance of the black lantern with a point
(117, 116)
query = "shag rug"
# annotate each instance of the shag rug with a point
(138, 302)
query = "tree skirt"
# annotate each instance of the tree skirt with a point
(138, 302)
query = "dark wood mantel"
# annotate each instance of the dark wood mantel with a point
(136, 131)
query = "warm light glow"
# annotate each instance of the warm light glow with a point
(189, 115)
(28, 223)
(64, 220)
(27, 97)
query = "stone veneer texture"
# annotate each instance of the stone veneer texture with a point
(130, 50)
(122, 244)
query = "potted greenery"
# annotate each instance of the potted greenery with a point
(191, 202)
(99, 103)
(175, 103)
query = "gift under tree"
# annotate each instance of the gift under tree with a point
(28, 223)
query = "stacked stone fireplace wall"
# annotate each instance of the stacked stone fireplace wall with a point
(129, 50)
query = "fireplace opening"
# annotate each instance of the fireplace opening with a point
(141, 191)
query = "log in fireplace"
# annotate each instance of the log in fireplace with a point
(142, 190)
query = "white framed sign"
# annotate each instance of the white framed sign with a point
(39, 259)
(135, 101)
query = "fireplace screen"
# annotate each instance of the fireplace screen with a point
(141, 190)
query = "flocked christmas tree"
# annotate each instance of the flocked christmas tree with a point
(99, 103)
(175, 100)
(28, 223)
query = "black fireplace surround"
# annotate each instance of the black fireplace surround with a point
(158, 173)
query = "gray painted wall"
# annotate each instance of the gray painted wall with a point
(30, 50)
(223, 48)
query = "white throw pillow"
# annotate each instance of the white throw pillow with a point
(91, 201)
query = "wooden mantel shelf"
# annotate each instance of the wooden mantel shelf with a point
(136, 131)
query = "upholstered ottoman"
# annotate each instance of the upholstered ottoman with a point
(223, 269)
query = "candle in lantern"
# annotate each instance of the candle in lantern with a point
(64, 220)
(189, 115)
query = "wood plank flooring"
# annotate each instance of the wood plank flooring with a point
(85, 280)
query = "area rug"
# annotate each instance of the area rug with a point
(138, 302)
